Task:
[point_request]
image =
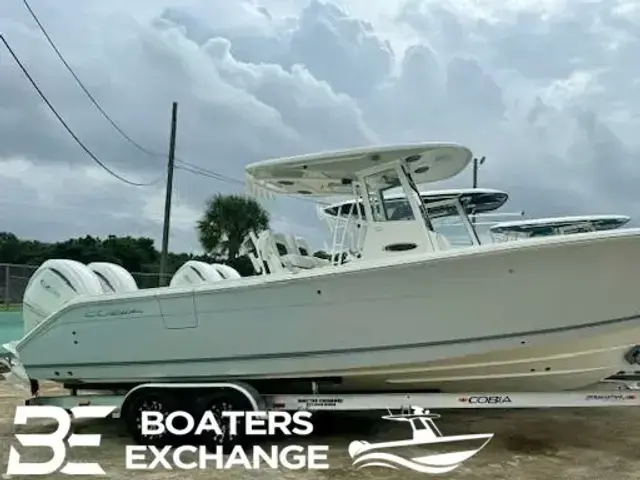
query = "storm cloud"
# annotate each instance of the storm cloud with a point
(548, 91)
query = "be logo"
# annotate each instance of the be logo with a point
(56, 441)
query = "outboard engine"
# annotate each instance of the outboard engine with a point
(195, 272)
(113, 278)
(54, 284)
(226, 271)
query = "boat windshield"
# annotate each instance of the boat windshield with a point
(382, 188)
(446, 217)
(454, 230)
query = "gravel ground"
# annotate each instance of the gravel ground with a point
(572, 444)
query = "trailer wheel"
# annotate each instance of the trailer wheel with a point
(143, 401)
(218, 403)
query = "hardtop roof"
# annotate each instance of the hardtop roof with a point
(332, 173)
(599, 222)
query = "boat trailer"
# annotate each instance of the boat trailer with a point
(196, 398)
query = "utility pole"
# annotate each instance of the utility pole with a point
(476, 164)
(167, 201)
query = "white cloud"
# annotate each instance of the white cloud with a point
(547, 90)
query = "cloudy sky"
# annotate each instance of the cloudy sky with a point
(547, 90)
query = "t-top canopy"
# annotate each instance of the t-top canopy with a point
(332, 173)
(545, 226)
(474, 200)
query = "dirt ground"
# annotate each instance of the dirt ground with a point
(572, 444)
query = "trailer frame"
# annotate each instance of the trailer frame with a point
(621, 393)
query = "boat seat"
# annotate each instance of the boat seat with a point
(290, 255)
(301, 245)
(256, 247)
(279, 252)
(255, 262)
(298, 262)
(282, 242)
(303, 248)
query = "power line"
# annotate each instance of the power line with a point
(64, 124)
(204, 172)
(183, 165)
(96, 103)
(84, 89)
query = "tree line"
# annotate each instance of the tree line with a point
(223, 226)
(136, 254)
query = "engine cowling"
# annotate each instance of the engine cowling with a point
(54, 284)
(195, 272)
(226, 271)
(113, 278)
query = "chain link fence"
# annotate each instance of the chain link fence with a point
(14, 280)
(150, 280)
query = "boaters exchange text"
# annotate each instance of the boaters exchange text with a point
(179, 423)
(189, 457)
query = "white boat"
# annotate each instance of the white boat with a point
(346, 221)
(427, 437)
(477, 202)
(409, 314)
(474, 201)
(542, 227)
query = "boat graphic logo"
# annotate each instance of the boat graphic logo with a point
(440, 453)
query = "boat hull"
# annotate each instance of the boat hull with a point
(547, 314)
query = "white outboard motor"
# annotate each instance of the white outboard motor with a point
(113, 278)
(226, 271)
(54, 284)
(195, 272)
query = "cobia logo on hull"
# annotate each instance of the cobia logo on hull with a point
(485, 399)
(113, 313)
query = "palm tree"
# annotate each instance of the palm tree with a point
(226, 222)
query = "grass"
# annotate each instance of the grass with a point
(10, 307)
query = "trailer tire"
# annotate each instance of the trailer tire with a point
(219, 402)
(148, 400)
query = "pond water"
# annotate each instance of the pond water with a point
(10, 326)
